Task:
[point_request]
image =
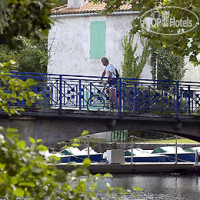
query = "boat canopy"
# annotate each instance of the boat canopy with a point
(168, 149)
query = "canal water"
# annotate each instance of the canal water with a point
(160, 186)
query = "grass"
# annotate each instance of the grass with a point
(155, 141)
(173, 141)
(93, 140)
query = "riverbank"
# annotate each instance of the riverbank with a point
(136, 168)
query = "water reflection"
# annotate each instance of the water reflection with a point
(160, 187)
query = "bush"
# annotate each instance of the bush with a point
(25, 173)
(31, 55)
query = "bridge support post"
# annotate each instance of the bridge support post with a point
(79, 94)
(135, 94)
(177, 100)
(120, 97)
(60, 94)
(189, 100)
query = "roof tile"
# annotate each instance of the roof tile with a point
(88, 8)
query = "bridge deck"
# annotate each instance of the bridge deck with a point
(71, 113)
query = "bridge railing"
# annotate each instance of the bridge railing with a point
(129, 95)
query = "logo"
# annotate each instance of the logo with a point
(169, 20)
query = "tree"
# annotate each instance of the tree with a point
(23, 17)
(169, 66)
(13, 90)
(63, 2)
(4, 15)
(133, 64)
(31, 55)
(179, 44)
(25, 173)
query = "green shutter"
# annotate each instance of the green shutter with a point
(97, 39)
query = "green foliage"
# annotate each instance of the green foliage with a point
(4, 15)
(169, 66)
(24, 17)
(84, 133)
(178, 43)
(31, 55)
(63, 2)
(13, 89)
(24, 173)
(133, 64)
(172, 141)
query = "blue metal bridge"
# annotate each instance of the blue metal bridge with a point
(63, 92)
(72, 104)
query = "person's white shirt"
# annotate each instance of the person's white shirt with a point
(110, 68)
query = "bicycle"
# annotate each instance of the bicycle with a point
(98, 101)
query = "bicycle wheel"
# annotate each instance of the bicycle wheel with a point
(95, 102)
(113, 106)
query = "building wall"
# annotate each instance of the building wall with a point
(192, 73)
(69, 44)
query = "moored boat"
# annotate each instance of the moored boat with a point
(193, 149)
(170, 153)
(72, 154)
(140, 155)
